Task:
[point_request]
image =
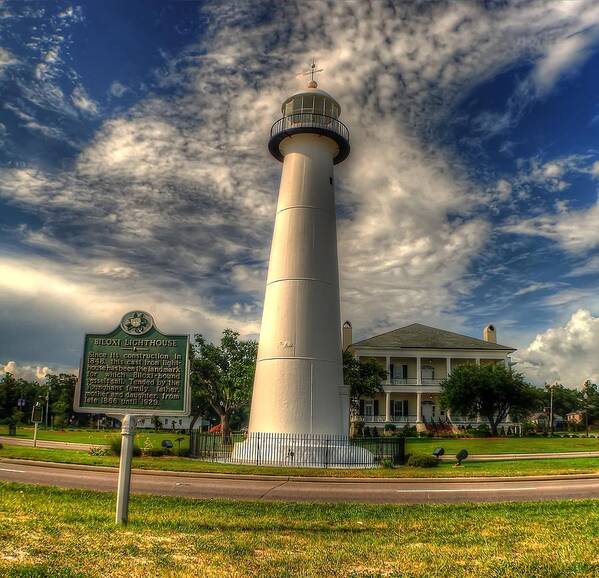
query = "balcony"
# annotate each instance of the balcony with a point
(413, 381)
(309, 122)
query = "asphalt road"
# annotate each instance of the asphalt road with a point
(262, 488)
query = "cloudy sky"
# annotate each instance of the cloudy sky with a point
(134, 171)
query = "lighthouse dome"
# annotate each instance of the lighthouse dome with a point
(311, 100)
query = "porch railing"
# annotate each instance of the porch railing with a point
(414, 381)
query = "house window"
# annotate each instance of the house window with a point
(369, 407)
(399, 407)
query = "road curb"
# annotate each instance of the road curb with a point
(307, 479)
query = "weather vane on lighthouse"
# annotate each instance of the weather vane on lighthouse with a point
(311, 72)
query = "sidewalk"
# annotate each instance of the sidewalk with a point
(53, 445)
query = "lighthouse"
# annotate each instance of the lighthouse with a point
(299, 402)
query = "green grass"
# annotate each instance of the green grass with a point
(423, 445)
(66, 533)
(504, 445)
(445, 469)
(97, 437)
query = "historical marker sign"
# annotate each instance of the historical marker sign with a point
(135, 370)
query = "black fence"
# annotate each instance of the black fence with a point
(298, 450)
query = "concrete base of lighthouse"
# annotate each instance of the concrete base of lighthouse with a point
(301, 450)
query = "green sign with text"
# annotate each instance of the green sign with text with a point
(134, 370)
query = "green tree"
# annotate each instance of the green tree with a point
(364, 376)
(565, 399)
(62, 393)
(491, 391)
(223, 375)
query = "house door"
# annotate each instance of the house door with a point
(428, 410)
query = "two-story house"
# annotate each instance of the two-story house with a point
(417, 357)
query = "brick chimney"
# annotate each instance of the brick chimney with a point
(347, 335)
(490, 334)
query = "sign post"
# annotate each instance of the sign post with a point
(135, 370)
(124, 484)
(36, 418)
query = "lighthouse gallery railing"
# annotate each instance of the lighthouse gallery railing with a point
(310, 120)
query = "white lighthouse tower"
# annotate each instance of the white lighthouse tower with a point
(299, 404)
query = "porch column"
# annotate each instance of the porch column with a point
(448, 362)
(418, 373)
(388, 368)
(478, 361)
(506, 362)
(387, 406)
(418, 406)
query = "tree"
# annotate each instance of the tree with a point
(223, 375)
(491, 391)
(364, 376)
(62, 394)
(565, 399)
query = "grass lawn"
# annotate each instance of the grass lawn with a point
(444, 469)
(413, 445)
(96, 437)
(503, 445)
(67, 533)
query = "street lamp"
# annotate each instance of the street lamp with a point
(550, 387)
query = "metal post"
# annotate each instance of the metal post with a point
(35, 434)
(48, 407)
(124, 484)
(551, 410)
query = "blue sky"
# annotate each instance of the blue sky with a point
(134, 170)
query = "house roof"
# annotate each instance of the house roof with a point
(418, 336)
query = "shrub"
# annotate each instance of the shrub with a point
(366, 431)
(154, 452)
(422, 461)
(115, 447)
(99, 451)
(375, 432)
(387, 464)
(483, 430)
(390, 427)
(1, 446)
(408, 431)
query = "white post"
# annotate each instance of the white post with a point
(124, 484)
(478, 361)
(418, 371)
(448, 362)
(418, 407)
(35, 435)
(387, 406)
(388, 368)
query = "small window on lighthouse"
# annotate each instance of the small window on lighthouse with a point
(308, 104)
(319, 105)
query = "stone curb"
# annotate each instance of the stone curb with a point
(265, 477)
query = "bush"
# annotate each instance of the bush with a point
(387, 464)
(99, 451)
(1, 446)
(155, 452)
(115, 447)
(375, 432)
(366, 431)
(422, 461)
(483, 430)
(408, 431)
(390, 428)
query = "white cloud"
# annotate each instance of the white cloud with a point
(565, 54)
(565, 353)
(83, 102)
(6, 59)
(27, 372)
(533, 287)
(575, 230)
(117, 89)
